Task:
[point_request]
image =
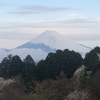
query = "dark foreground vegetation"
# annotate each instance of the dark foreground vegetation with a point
(54, 78)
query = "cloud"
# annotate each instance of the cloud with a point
(38, 10)
(79, 29)
(72, 23)
(5, 5)
(80, 20)
(24, 52)
(85, 23)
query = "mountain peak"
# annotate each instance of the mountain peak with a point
(47, 37)
(55, 40)
(50, 33)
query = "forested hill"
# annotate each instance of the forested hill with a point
(56, 73)
(67, 61)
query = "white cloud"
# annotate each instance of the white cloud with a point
(79, 28)
(37, 54)
(37, 9)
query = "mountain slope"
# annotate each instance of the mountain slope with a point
(48, 41)
(57, 41)
(41, 46)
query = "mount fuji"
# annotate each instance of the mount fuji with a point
(57, 41)
(48, 41)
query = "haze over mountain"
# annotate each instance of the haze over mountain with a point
(48, 41)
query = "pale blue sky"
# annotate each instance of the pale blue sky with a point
(24, 19)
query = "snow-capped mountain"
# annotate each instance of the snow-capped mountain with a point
(58, 41)
(48, 41)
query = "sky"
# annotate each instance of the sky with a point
(22, 20)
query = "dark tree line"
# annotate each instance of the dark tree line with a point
(41, 78)
(66, 61)
(61, 61)
(11, 66)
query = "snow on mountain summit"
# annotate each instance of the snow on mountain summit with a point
(47, 37)
(58, 41)
(50, 33)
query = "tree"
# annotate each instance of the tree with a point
(28, 73)
(16, 66)
(66, 60)
(71, 62)
(29, 68)
(91, 60)
(5, 66)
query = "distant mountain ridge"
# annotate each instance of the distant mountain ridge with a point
(48, 41)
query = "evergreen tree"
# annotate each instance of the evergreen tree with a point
(16, 66)
(91, 60)
(66, 60)
(29, 68)
(5, 66)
